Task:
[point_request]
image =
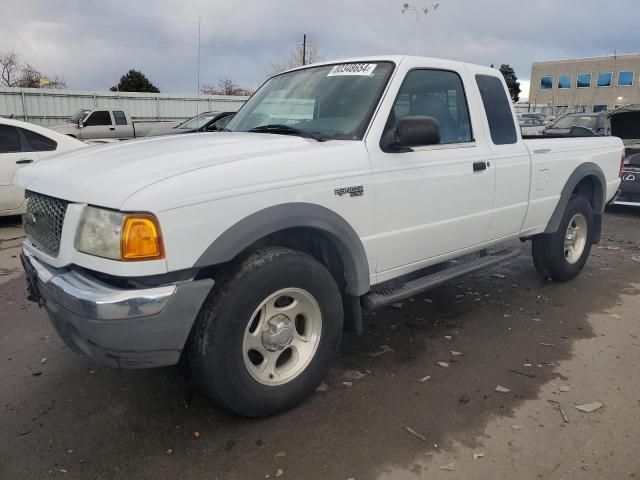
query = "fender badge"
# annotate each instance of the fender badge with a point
(354, 191)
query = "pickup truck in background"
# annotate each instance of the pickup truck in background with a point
(108, 124)
(338, 187)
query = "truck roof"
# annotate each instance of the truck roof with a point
(398, 59)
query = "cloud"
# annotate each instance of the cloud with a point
(92, 44)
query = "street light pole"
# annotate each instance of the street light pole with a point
(406, 7)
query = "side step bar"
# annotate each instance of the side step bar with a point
(377, 299)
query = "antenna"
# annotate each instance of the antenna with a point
(198, 72)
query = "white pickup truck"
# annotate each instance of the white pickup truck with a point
(108, 123)
(337, 187)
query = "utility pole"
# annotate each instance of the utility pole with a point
(304, 49)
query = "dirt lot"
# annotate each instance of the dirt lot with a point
(61, 416)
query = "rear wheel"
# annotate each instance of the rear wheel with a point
(562, 255)
(265, 337)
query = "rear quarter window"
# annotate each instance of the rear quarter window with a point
(119, 117)
(9, 139)
(39, 143)
(498, 109)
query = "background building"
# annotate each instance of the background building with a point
(586, 84)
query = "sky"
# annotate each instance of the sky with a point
(91, 43)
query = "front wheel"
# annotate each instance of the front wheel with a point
(562, 255)
(266, 336)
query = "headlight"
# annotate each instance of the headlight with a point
(119, 236)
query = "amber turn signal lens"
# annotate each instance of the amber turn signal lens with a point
(141, 238)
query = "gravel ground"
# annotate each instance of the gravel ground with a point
(402, 416)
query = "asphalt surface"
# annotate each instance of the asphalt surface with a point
(61, 416)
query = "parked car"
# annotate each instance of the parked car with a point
(532, 127)
(579, 124)
(205, 122)
(107, 124)
(630, 187)
(22, 144)
(339, 186)
(531, 115)
(625, 124)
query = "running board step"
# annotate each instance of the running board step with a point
(377, 299)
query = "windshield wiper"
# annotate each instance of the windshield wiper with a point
(281, 129)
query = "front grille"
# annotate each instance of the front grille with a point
(43, 221)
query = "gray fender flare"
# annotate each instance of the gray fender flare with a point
(291, 215)
(580, 173)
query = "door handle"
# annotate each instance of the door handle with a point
(479, 166)
(542, 151)
(24, 161)
(112, 128)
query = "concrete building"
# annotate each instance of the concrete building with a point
(586, 84)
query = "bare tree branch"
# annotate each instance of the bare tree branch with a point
(225, 86)
(295, 59)
(9, 68)
(15, 74)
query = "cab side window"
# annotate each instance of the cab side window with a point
(39, 143)
(438, 94)
(9, 140)
(498, 108)
(98, 118)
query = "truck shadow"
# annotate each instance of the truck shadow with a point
(143, 424)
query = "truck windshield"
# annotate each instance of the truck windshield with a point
(196, 122)
(79, 115)
(586, 121)
(328, 102)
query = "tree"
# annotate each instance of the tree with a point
(225, 86)
(512, 81)
(32, 78)
(310, 54)
(135, 81)
(15, 74)
(9, 68)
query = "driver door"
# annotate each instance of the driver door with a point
(434, 200)
(98, 125)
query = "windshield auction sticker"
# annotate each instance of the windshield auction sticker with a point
(363, 69)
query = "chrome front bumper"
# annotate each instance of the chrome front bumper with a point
(127, 328)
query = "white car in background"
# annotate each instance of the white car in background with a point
(22, 144)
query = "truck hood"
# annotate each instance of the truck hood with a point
(107, 175)
(66, 128)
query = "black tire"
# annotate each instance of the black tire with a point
(549, 251)
(216, 347)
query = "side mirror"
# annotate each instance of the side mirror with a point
(413, 131)
(80, 123)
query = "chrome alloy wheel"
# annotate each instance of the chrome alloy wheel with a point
(575, 240)
(282, 336)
